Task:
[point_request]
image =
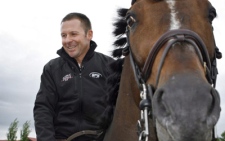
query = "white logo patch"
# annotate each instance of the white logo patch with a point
(95, 75)
(67, 77)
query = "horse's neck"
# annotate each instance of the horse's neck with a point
(126, 114)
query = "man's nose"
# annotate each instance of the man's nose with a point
(68, 39)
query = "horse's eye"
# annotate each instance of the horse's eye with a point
(212, 14)
(130, 21)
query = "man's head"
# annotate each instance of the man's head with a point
(83, 18)
(76, 33)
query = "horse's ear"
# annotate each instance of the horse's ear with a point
(132, 2)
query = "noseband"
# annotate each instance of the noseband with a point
(141, 75)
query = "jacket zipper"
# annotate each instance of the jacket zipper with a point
(81, 93)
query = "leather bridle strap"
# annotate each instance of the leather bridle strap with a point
(169, 44)
(176, 35)
(145, 104)
(137, 72)
(168, 39)
(84, 132)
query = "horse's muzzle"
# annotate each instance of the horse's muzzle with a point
(186, 108)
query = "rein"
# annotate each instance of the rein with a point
(146, 91)
(84, 132)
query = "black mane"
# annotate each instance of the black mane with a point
(113, 81)
(119, 32)
(116, 66)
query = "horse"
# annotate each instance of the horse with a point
(163, 85)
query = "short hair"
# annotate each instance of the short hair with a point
(86, 23)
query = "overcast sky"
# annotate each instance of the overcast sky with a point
(30, 37)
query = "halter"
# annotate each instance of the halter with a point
(146, 91)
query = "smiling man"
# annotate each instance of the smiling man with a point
(72, 93)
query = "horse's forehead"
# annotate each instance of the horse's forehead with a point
(171, 14)
(169, 4)
(159, 16)
(172, 5)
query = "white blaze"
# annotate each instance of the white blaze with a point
(174, 22)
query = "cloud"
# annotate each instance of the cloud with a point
(18, 82)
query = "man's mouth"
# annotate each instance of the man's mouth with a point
(71, 47)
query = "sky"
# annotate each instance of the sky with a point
(30, 37)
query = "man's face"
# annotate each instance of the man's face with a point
(74, 39)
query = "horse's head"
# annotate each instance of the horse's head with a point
(172, 50)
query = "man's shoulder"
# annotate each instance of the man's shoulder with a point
(104, 57)
(55, 63)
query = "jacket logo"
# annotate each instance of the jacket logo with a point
(95, 75)
(67, 77)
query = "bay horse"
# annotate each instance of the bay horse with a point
(163, 87)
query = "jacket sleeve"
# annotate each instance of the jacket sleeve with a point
(44, 107)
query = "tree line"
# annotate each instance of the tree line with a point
(13, 128)
(222, 138)
(11, 135)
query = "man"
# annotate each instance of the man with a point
(72, 93)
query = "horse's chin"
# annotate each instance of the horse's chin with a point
(162, 133)
(174, 134)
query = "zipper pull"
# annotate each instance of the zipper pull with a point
(81, 68)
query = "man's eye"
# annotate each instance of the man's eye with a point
(74, 34)
(63, 36)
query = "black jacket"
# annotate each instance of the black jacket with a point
(71, 98)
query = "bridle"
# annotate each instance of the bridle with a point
(141, 75)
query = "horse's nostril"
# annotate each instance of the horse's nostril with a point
(214, 113)
(161, 111)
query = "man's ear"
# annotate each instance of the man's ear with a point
(90, 34)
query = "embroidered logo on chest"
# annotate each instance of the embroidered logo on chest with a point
(95, 75)
(67, 77)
